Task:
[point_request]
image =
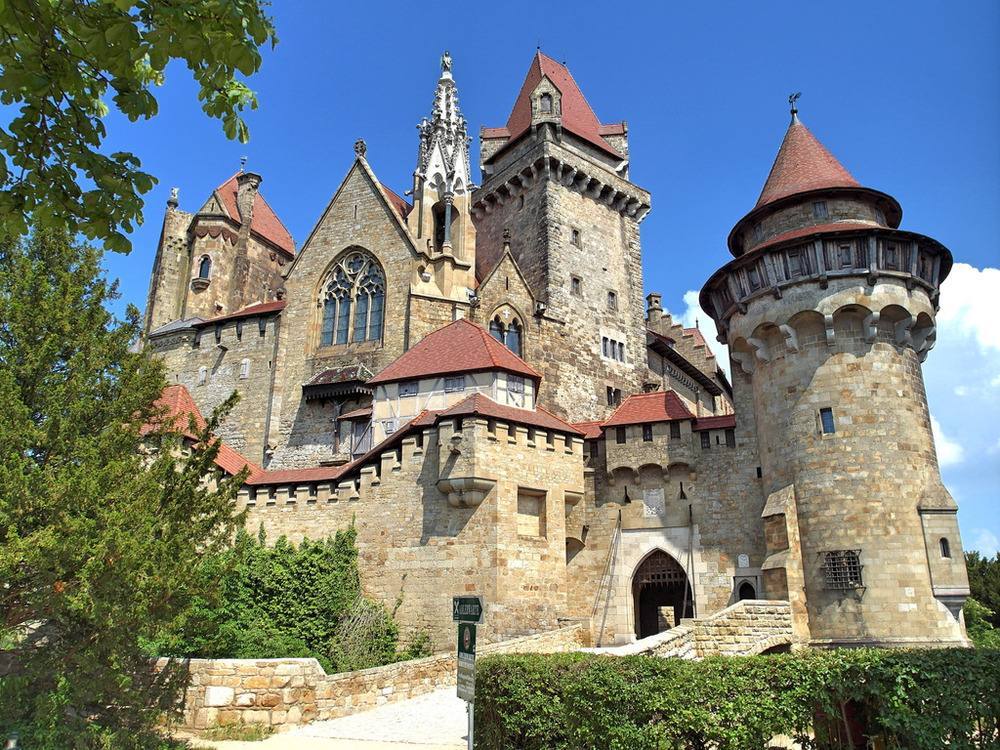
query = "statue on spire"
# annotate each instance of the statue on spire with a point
(446, 62)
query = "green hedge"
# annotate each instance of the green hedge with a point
(286, 600)
(912, 700)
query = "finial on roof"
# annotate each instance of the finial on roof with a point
(173, 199)
(243, 163)
(506, 239)
(360, 148)
(793, 101)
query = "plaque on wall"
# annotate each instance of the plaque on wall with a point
(653, 503)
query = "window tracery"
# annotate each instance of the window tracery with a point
(508, 334)
(353, 301)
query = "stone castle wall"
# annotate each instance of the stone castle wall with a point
(415, 543)
(215, 360)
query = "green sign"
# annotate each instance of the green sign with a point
(467, 661)
(467, 609)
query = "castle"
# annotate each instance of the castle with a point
(475, 380)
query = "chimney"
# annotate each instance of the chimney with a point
(654, 306)
(246, 193)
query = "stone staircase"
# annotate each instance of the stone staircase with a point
(745, 628)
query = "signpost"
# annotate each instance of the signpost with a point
(467, 611)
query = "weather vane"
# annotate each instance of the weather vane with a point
(792, 100)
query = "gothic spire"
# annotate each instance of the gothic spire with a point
(443, 158)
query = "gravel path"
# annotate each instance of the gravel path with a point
(435, 721)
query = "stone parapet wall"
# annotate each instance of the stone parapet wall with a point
(286, 692)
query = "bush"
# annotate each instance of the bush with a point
(917, 700)
(287, 601)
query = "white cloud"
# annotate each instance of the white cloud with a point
(949, 451)
(985, 541)
(961, 390)
(694, 317)
(968, 305)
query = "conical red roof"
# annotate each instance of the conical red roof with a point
(803, 164)
(577, 115)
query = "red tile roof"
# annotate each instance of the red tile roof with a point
(723, 421)
(265, 222)
(803, 164)
(461, 346)
(402, 207)
(483, 405)
(176, 407)
(590, 430)
(837, 226)
(252, 311)
(641, 408)
(577, 116)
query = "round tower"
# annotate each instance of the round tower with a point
(828, 309)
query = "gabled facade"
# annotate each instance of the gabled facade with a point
(476, 382)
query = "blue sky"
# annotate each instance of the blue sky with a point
(906, 95)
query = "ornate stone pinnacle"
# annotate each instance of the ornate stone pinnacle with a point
(360, 148)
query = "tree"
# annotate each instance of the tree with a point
(98, 534)
(59, 59)
(984, 583)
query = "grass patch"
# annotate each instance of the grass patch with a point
(241, 732)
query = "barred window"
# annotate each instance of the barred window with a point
(454, 384)
(675, 430)
(515, 384)
(826, 421)
(647, 433)
(706, 441)
(842, 569)
(408, 388)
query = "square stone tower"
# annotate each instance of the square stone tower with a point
(555, 180)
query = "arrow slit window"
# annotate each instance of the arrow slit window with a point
(353, 300)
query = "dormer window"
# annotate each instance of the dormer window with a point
(545, 103)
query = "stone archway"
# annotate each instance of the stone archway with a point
(661, 594)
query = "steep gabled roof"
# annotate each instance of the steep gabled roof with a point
(459, 347)
(803, 164)
(265, 221)
(577, 115)
(642, 408)
(401, 206)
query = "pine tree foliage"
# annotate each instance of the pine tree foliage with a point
(98, 534)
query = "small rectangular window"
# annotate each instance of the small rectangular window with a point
(880, 216)
(614, 396)
(621, 352)
(620, 435)
(891, 257)
(730, 438)
(758, 232)
(826, 421)
(819, 210)
(515, 384)
(675, 430)
(846, 258)
(647, 433)
(706, 441)
(244, 369)
(604, 345)
(576, 286)
(612, 300)
(794, 265)
(594, 449)
(451, 385)
(409, 388)
(753, 276)
(574, 237)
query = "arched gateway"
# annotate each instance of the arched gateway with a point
(661, 594)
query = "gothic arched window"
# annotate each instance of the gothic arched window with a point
(204, 267)
(508, 334)
(353, 300)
